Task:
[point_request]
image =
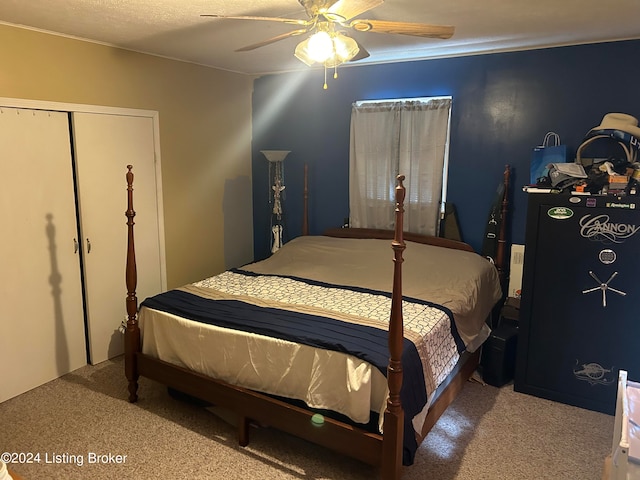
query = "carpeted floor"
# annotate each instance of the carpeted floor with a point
(82, 427)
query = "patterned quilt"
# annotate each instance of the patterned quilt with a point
(345, 319)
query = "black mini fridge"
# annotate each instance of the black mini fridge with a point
(580, 307)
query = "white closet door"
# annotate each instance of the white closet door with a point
(42, 334)
(105, 145)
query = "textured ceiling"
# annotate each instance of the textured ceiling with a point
(175, 29)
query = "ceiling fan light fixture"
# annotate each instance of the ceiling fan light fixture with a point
(345, 48)
(321, 47)
(329, 49)
(302, 53)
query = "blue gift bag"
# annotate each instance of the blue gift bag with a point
(551, 151)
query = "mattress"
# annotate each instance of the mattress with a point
(463, 282)
(345, 283)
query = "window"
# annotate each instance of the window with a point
(391, 137)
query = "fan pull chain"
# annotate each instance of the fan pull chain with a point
(335, 71)
(325, 78)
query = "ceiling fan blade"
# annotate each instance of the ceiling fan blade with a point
(290, 21)
(347, 9)
(272, 40)
(404, 28)
(362, 53)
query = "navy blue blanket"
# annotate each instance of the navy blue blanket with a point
(364, 342)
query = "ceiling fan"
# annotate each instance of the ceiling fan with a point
(327, 20)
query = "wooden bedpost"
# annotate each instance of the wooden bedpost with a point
(392, 439)
(132, 332)
(305, 202)
(501, 251)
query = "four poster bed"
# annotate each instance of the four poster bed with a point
(320, 341)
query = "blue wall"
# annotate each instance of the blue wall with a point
(503, 104)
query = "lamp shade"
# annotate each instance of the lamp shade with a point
(302, 52)
(328, 48)
(344, 49)
(275, 155)
(320, 47)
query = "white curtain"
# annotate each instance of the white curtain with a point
(408, 137)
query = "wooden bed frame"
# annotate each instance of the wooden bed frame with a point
(383, 451)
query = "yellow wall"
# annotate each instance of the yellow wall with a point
(205, 134)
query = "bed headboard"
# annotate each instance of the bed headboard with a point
(388, 235)
(500, 260)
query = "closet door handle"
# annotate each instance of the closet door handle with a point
(88, 246)
(75, 246)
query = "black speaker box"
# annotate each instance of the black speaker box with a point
(499, 355)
